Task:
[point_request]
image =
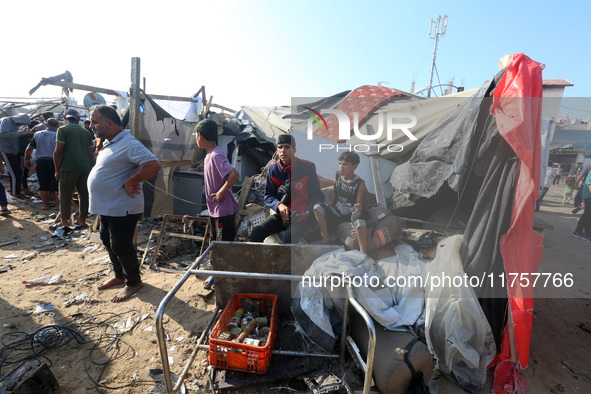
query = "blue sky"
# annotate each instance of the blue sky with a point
(264, 52)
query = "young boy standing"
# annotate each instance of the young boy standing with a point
(569, 187)
(346, 202)
(220, 176)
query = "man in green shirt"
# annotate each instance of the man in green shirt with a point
(73, 158)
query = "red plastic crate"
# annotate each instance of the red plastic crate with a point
(239, 356)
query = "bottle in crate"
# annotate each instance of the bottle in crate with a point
(219, 231)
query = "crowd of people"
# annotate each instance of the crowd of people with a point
(107, 180)
(577, 188)
(104, 166)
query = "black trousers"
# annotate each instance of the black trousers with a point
(228, 227)
(117, 236)
(584, 224)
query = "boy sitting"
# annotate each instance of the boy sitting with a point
(346, 202)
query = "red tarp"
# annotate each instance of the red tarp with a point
(517, 108)
(364, 100)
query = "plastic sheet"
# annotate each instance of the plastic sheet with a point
(518, 109)
(456, 328)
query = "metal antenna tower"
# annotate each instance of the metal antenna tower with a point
(437, 28)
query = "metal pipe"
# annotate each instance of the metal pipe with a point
(159, 325)
(433, 223)
(371, 345)
(192, 271)
(344, 328)
(290, 353)
(252, 275)
(194, 354)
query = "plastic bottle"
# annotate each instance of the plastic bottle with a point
(220, 228)
(44, 280)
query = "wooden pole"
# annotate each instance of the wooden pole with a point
(134, 108)
(376, 172)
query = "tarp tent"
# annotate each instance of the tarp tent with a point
(479, 154)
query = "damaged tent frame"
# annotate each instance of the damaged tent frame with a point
(346, 341)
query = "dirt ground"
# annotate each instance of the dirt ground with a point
(557, 340)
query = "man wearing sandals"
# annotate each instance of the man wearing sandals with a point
(115, 185)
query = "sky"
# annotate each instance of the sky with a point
(260, 52)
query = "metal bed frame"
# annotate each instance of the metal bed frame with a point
(345, 342)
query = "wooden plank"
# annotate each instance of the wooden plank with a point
(160, 235)
(222, 107)
(180, 235)
(176, 163)
(88, 88)
(171, 98)
(243, 198)
(244, 192)
(206, 238)
(112, 92)
(134, 102)
(147, 247)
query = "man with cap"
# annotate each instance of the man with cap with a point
(9, 148)
(291, 191)
(72, 158)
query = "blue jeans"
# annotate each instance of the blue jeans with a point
(117, 236)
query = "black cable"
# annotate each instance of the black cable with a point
(101, 330)
(21, 346)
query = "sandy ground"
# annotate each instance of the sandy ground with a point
(557, 341)
(83, 265)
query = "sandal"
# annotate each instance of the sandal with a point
(208, 283)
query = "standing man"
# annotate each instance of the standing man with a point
(291, 191)
(73, 157)
(43, 126)
(115, 185)
(580, 181)
(583, 229)
(557, 173)
(9, 148)
(44, 143)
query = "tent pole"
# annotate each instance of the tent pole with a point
(376, 172)
(134, 108)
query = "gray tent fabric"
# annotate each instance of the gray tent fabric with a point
(430, 114)
(168, 138)
(444, 156)
(490, 219)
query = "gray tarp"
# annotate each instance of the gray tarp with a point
(430, 113)
(445, 155)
